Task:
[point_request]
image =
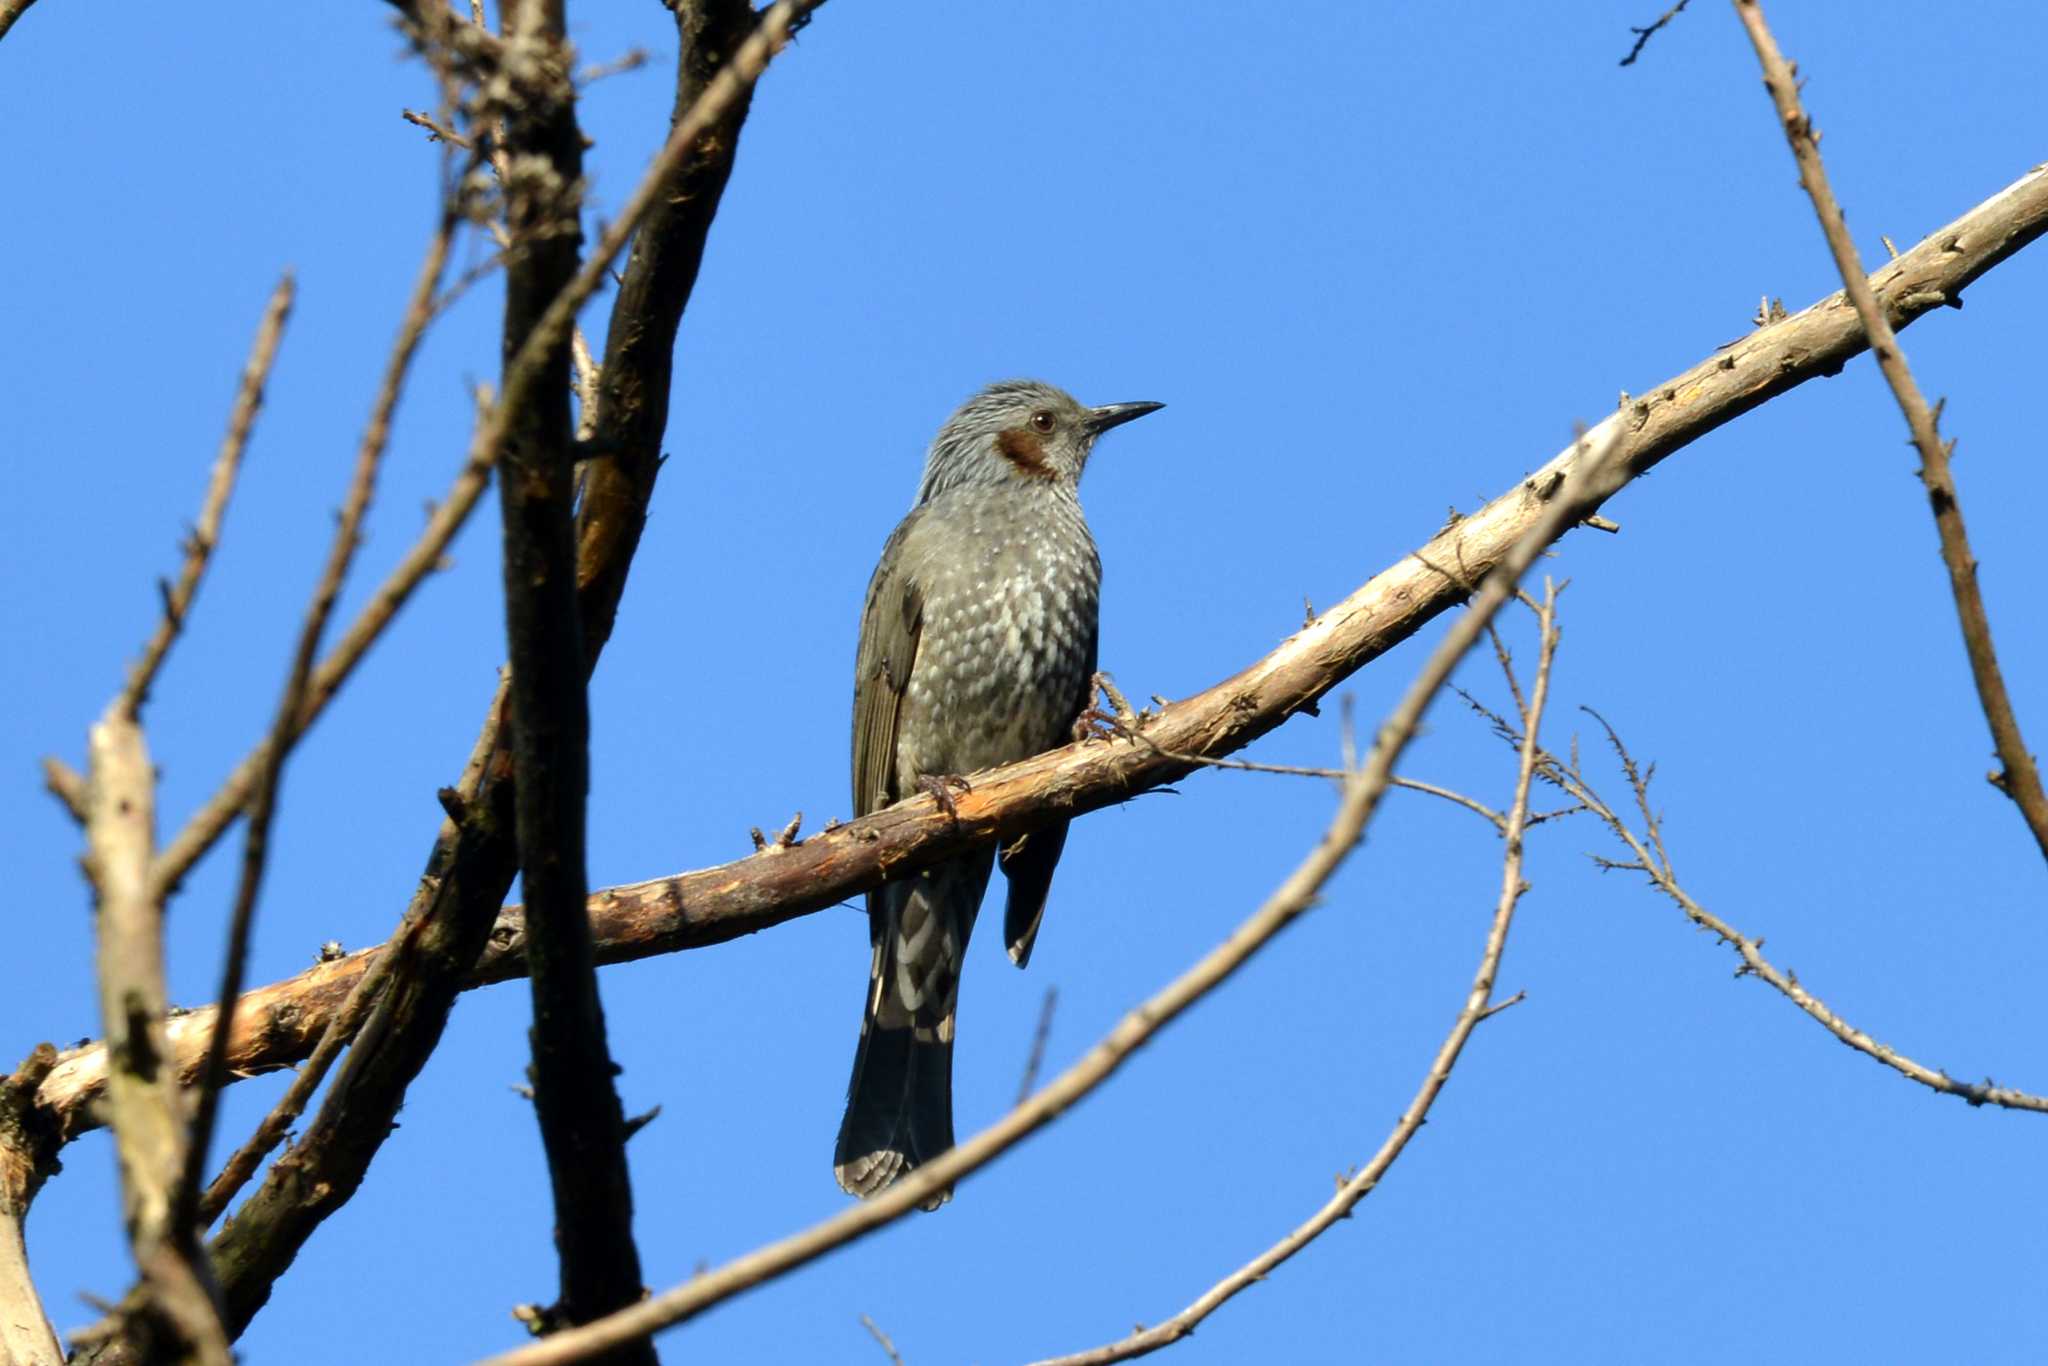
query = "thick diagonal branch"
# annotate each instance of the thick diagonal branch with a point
(709, 906)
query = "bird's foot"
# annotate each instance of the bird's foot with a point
(1095, 723)
(940, 787)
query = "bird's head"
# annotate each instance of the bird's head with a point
(1019, 431)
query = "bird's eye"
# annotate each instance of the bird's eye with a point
(1042, 421)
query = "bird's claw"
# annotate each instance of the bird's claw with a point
(939, 786)
(1097, 724)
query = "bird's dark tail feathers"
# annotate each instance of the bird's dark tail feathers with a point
(899, 1105)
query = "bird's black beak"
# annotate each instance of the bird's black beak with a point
(1110, 415)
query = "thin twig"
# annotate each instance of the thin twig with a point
(1036, 1058)
(882, 1338)
(227, 464)
(2020, 778)
(1338, 775)
(1646, 847)
(1592, 480)
(630, 60)
(436, 130)
(285, 729)
(1643, 34)
(202, 1210)
(67, 785)
(1479, 1005)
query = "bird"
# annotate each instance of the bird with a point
(977, 648)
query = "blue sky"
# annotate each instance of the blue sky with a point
(1377, 260)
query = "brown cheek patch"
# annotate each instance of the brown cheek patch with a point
(1022, 448)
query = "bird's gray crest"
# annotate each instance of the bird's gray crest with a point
(1019, 430)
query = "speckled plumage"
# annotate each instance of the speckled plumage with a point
(977, 648)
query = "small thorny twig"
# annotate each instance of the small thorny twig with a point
(1647, 855)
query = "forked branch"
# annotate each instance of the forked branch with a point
(1644, 844)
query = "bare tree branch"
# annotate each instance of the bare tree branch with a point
(284, 730)
(1592, 478)
(177, 598)
(712, 905)
(28, 1146)
(2019, 779)
(174, 1313)
(582, 1125)
(67, 785)
(1648, 858)
(1479, 1005)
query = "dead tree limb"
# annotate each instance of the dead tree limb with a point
(712, 905)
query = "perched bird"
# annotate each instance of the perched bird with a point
(977, 647)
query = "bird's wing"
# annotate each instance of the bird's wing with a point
(889, 631)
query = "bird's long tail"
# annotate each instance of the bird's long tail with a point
(899, 1105)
